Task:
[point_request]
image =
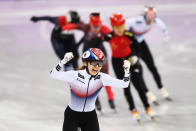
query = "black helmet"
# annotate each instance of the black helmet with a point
(75, 17)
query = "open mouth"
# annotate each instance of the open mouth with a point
(94, 70)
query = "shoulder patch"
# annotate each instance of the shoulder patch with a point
(81, 76)
(97, 77)
(128, 34)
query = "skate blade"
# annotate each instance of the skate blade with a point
(169, 99)
(115, 111)
(101, 113)
(153, 119)
(139, 122)
(155, 103)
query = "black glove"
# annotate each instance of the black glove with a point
(34, 19)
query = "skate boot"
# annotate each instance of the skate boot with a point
(98, 105)
(150, 114)
(152, 98)
(112, 105)
(136, 116)
(165, 94)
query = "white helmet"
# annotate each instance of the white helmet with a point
(150, 12)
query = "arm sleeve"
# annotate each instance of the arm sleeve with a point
(131, 36)
(108, 36)
(105, 29)
(64, 76)
(129, 23)
(81, 26)
(133, 44)
(69, 27)
(53, 20)
(161, 24)
(113, 82)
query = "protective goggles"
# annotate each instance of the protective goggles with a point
(95, 63)
(119, 27)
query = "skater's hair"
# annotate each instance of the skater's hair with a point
(82, 67)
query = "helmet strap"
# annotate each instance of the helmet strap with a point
(87, 70)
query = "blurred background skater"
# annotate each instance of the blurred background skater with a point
(62, 41)
(93, 38)
(122, 43)
(140, 26)
(85, 85)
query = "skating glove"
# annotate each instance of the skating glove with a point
(133, 60)
(34, 19)
(126, 66)
(68, 56)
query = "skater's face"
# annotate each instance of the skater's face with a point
(94, 67)
(95, 29)
(150, 16)
(119, 30)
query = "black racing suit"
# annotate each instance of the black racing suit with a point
(61, 42)
(87, 121)
(146, 55)
(136, 70)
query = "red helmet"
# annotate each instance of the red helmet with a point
(95, 19)
(117, 19)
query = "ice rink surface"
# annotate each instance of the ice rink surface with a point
(31, 101)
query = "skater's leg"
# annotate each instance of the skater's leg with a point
(98, 104)
(109, 91)
(108, 88)
(139, 84)
(57, 46)
(129, 98)
(91, 122)
(69, 123)
(149, 61)
(118, 70)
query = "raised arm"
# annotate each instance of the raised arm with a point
(65, 76)
(110, 81)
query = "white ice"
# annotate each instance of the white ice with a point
(31, 101)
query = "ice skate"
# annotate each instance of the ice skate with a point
(165, 94)
(98, 105)
(136, 116)
(112, 105)
(150, 114)
(152, 98)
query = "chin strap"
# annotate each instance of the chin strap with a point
(87, 69)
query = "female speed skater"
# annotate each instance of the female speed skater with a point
(140, 26)
(62, 42)
(93, 33)
(85, 86)
(120, 41)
